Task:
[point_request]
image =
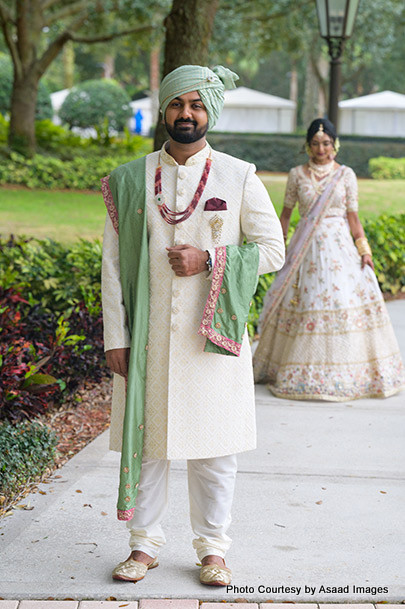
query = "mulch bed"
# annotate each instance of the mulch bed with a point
(80, 420)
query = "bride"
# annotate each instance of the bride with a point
(325, 333)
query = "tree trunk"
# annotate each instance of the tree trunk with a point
(68, 58)
(154, 72)
(309, 111)
(109, 66)
(22, 120)
(188, 33)
(294, 89)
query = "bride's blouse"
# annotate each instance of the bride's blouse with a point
(300, 188)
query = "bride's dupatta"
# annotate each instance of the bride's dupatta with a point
(297, 248)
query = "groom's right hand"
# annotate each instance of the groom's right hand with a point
(117, 360)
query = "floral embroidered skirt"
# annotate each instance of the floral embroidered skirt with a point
(331, 337)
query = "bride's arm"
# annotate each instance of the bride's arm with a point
(285, 220)
(357, 231)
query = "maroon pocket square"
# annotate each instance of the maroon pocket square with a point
(215, 204)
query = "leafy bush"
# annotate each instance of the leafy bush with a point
(51, 335)
(53, 137)
(386, 235)
(44, 357)
(281, 152)
(52, 275)
(82, 173)
(385, 168)
(44, 104)
(3, 129)
(101, 104)
(26, 451)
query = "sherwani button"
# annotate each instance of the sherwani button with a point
(141, 427)
(220, 310)
(223, 290)
(217, 325)
(127, 499)
(233, 317)
(140, 211)
(174, 327)
(182, 174)
(135, 455)
(126, 470)
(181, 192)
(146, 347)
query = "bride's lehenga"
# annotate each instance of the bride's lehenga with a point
(330, 338)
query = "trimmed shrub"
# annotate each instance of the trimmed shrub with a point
(82, 173)
(80, 162)
(385, 168)
(101, 104)
(26, 451)
(279, 153)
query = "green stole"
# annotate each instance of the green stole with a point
(234, 281)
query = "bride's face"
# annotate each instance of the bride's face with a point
(322, 148)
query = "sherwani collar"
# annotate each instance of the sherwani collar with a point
(197, 158)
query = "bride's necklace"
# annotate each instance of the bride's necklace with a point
(174, 217)
(321, 172)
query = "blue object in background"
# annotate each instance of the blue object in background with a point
(138, 121)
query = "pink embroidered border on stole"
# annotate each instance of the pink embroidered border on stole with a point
(109, 202)
(125, 514)
(209, 310)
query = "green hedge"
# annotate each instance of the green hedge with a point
(81, 173)
(26, 451)
(279, 153)
(384, 168)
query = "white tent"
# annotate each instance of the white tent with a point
(378, 114)
(245, 111)
(57, 100)
(249, 111)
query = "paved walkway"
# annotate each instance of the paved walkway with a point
(320, 503)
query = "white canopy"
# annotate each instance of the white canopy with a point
(378, 114)
(249, 111)
(245, 111)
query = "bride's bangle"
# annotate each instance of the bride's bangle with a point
(363, 246)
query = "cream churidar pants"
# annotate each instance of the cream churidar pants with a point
(211, 484)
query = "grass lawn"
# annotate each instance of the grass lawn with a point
(67, 216)
(376, 197)
(62, 216)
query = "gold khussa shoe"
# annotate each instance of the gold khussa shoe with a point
(132, 570)
(215, 575)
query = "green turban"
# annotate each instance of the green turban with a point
(210, 85)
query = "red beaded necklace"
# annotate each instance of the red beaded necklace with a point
(174, 217)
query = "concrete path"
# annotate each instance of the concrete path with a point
(318, 518)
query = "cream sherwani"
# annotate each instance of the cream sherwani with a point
(198, 405)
